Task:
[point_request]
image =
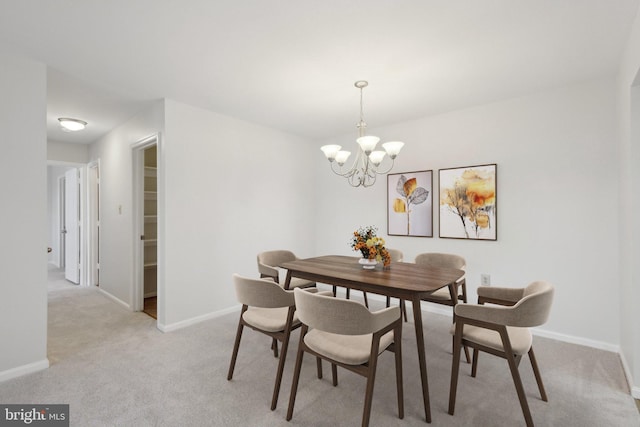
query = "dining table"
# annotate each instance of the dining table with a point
(403, 280)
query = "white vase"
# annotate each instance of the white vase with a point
(368, 264)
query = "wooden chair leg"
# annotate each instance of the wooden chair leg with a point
(366, 302)
(371, 379)
(388, 301)
(466, 350)
(283, 358)
(335, 290)
(474, 365)
(348, 293)
(466, 353)
(403, 307)
(296, 374)
(397, 349)
(455, 367)
(236, 346)
(274, 347)
(319, 367)
(334, 374)
(536, 372)
(516, 378)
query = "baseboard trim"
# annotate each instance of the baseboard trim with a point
(116, 299)
(635, 391)
(194, 320)
(151, 294)
(24, 370)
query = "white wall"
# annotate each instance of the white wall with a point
(629, 203)
(557, 199)
(23, 183)
(67, 152)
(116, 220)
(232, 189)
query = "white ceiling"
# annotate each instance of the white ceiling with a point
(291, 64)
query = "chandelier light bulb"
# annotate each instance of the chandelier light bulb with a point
(393, 148)
(342, 157)
(376, 157)
(330, 151)
(368, 143)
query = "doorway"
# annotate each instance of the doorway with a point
(65, 215)
(145, 290)
(150, 249)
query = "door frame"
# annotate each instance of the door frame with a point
(93, 223)
(137, 288)
(73, 227)
(62, 236)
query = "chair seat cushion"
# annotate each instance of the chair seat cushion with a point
(269, 319)
(297, 282)
(348, 349)
(520, 338)
(441, 294)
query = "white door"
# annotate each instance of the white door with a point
(72, 226)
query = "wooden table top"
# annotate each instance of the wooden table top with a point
(402, 279)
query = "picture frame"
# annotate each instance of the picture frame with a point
(410, 204)
(468, 202)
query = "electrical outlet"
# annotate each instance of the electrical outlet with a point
(485, 280)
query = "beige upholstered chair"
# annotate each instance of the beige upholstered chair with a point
(348, 335)
(434, 259)
(269, 261)
(269, 309)
(502, 331)
(443, 295)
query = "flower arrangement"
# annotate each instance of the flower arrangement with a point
(370, 245)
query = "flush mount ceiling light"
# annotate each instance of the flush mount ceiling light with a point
(71, 125)
(367, 162)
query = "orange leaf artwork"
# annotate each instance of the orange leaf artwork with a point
(468, 202)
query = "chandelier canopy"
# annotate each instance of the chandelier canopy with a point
(368, 160)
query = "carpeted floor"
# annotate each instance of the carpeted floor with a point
(115, 368)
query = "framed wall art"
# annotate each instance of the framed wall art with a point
(410, 204)
(468, 208)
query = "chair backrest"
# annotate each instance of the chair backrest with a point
(396, 255)
(535, 305)
(269, 260)
(261, 293)
(334, 315)
(435, 259)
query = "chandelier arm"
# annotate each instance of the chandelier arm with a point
(370, 182)
(351, 170)
(387, 170)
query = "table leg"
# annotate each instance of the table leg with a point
(417, 319)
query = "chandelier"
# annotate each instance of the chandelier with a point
(368, 160)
